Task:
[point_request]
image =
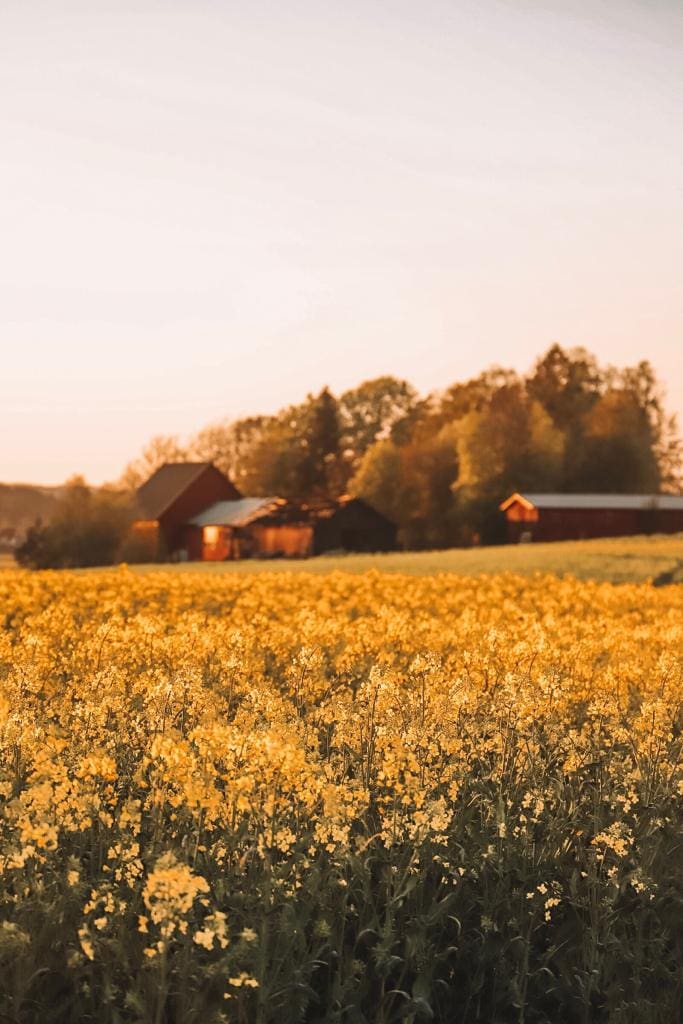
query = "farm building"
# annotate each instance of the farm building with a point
(579, 516)
(272, 527)
(192, 511)
(221, 531)
(350, 524)
(172, 496)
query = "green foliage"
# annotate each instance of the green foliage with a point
(611, 559)
(231, 447)
(568, 384)
(319, 440)
(295, 454)
(439, 466)
(509, 444)
(140, 547)
(372, 412)
(411, 484)
(618, 446)
(87, 529)
(161, 449)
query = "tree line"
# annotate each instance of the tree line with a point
(439, 465)
(436, 465)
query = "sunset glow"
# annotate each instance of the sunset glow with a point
(212, 209)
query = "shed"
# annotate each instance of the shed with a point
(312, 528)
(351, 524)
(276, 527)
(218, 533)
(175, 493)
(580, 516)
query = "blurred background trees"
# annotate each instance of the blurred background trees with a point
(437, 465)
(162, 448)
(88, 527)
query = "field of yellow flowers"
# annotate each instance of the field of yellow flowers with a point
(337, 798)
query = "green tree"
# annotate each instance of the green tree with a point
(618, 453)
(473, 395)
(412, 485)
(160, 449)
(439, 465)
(297, 454)
(429, 467)
(508, 445)
(641, 382)
(230, 445)
(87, 529)
(272, 466)
(371, 412)
(567, 384)
(319, 441)
(379, 480)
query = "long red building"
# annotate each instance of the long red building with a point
(542, 517)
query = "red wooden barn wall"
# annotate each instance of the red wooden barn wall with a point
(583, 523)
(208, 487)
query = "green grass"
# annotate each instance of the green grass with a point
(615, 559)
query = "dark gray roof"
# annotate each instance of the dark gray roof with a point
(233, 513)
(166, 485)
(602, 501)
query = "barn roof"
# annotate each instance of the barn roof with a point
(273, 511)
(234, 513)
(166, 485)
(595, 501)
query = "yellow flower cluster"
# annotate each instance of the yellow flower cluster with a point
(162, 733)
(169, 894)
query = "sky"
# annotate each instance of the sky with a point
(209, 208)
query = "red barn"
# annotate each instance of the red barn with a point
(579, 516)
(190, 510)
(172, 496)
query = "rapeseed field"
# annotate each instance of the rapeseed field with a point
(339, 798)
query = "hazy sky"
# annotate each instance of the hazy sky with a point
(210, 208)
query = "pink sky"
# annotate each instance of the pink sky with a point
(208, 209)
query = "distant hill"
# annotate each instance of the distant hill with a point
(20, 506)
